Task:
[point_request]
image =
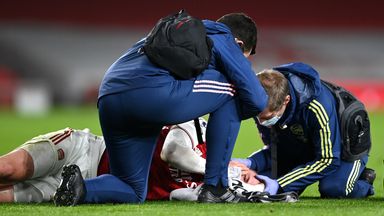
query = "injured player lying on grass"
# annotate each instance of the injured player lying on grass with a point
(184, 151)
(32, 172)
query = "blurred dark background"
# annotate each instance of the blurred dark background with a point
(56, 52)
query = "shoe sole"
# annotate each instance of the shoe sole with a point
(63, 196)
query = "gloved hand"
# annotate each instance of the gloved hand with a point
(271, 185)
(244, 161)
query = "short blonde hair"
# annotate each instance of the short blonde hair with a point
(276, 86)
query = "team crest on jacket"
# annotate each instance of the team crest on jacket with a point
(297, 130)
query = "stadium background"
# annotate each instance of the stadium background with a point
(53, 55)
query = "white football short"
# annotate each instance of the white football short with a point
(50, 152)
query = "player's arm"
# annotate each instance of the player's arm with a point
(323, 122)
(178, 152)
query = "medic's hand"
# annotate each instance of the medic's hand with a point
(271, 185)
(244, 161)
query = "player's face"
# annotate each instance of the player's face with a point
(250, 178)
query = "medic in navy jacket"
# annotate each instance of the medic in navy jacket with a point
(308, 141)
(227, 57)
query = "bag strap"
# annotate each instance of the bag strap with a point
(198, 131)
(273, 148)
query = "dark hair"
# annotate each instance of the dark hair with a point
(276, 86)
(243, 28)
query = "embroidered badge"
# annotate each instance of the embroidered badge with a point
(60, 154)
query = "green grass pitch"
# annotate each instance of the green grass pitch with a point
(16, 129)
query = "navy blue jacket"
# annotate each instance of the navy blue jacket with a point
(134, 70)
(308, 134)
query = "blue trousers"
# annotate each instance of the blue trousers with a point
(345, 182)
(131, 122)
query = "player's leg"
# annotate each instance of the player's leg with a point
(345, 182)
(43, 158)
(31, 160)
(16, 166)
(6, 194)
(28, 168)
(36, 190)
(32, 168)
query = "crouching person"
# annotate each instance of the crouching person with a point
(308, 140)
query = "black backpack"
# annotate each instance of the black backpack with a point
(354, 123)
(179, 43)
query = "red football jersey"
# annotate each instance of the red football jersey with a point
(163, 178)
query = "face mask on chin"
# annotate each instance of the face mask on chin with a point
(270, 122)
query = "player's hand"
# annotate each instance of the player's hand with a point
(271, 185)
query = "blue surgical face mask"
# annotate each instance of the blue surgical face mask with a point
(270, 122)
